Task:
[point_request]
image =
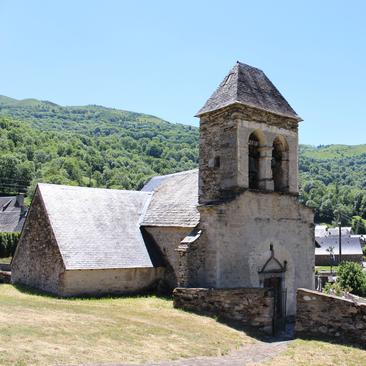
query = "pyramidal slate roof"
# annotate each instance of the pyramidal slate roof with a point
(98, 228)
(175, 200)
(248, 86)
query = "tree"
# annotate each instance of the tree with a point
(350, 276)
(358, 225)
(154, 149)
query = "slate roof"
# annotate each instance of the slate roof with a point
(322, 230)
(98, 228)
(175, 200)
(11, 221)
(9, 204)
(249, 86)
(350, 245)
(12, 216)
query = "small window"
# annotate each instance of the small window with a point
(217, 162)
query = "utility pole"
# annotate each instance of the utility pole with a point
(340, 241)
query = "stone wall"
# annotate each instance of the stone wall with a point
(249, 306)
(324, 260)
(168, 239)
(223, 156)
(237, 237)
(319, 314)
(5, 277)
(5, 267)
(192, 261)
(37, 260)
(109, 281)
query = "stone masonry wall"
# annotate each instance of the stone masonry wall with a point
(5, 277)
(168, 239)
(223, 156)
(109, 281)
(192, 263)
(324, 260)
(237, 237)
(249, 306)
(30, 268)
(325, 315)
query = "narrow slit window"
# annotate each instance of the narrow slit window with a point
(217, 162)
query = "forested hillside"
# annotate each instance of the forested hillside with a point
(89, 145)
(333, 181)
(104, 147)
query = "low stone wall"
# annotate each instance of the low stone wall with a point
(326, 315)
(5, 267)
(5, 277)
(324, 260)
(249, 306)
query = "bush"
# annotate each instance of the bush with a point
(334, 289)
(350, 276)
(8, 244)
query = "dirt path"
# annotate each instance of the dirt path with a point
(255, 352)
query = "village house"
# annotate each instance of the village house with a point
(234, 223)
(327, 246)
(12, 213)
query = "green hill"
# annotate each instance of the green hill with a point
(105, 147)
(332, 151)
(89, 145)
(333, 181)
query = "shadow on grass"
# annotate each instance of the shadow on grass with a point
(354, 343)
(251, 331)
(287, 335)
(290, 334)
(142, 294)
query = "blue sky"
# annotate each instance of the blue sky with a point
(167, 57)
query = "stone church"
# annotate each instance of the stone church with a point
(234, 223)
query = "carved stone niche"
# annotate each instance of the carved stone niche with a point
(272, 268)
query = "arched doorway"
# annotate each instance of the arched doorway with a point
(272, 276)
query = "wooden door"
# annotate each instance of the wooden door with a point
(279, 306)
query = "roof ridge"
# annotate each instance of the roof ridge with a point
(68, 187)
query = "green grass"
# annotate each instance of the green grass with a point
(325, 268)
(43, 330)
(317, 353)
(5, 260)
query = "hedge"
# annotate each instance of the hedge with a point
(8, 244)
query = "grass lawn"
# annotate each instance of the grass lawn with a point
(42, 330)
(325, 268)
(317, 353)
(5, 260)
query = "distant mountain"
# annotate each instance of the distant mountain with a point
(105, 147)
(333, 151)
(49, 115)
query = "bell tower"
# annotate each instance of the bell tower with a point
(248, 138)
